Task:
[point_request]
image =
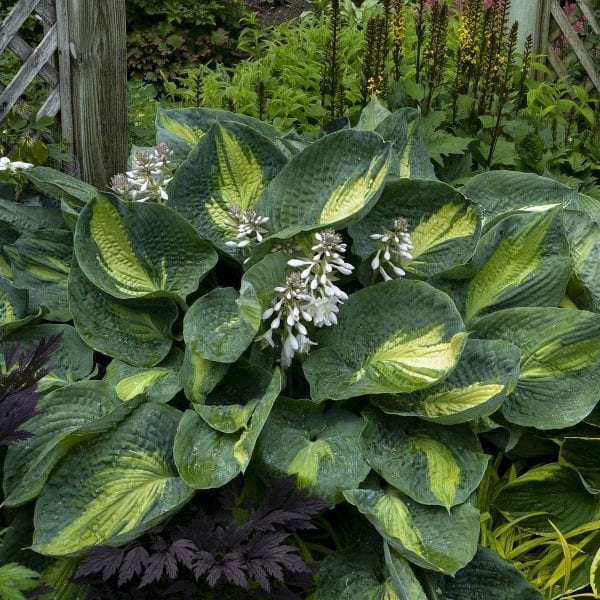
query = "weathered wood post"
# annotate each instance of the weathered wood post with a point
(529, 16)
(98, 45)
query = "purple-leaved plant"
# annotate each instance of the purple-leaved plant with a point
(220, 553)
(18, 387)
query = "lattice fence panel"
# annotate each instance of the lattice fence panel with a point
(50, 60)
(562, 44)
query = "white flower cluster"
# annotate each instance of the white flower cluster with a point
(149, 177)
(308, 296)
(249, 226)
(13, 166)
(392, 246)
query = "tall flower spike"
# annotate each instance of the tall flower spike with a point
(392, 246)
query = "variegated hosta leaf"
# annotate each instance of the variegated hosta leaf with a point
(552, 492)
(58, 575)
(136, 249)
(207, 458)
(199, 376)
(396, 336)
(40, 262)
(583, 454)
(216, 328)
(491, 577)
(67, 416)
(584, 243)
(183, 128)
(560, 363)
(157, 384)
(112, 489)
(521, 261)
(320, 447)
(231, 165)
(135, 331)
(8, 235)
(14, 303)
(71, 361)
(372, 115)
(229, 407)
(433, 464)
(355, 573)
(444, 225)
(503, 192)
(403, 128)
(428, 536)
(333, 182)
(595, 573)
(258, 283)
(486, 373)
(405, 582)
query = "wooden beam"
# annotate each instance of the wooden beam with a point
(543, 35)
(99, 87)
(23, 50)
(575, 43)
(64, 69)
(590, 15)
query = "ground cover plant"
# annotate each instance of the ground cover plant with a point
(245, 305)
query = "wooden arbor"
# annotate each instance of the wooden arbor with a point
(82, 60)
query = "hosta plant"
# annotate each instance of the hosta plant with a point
(264, 305)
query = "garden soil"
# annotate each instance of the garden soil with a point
(273, 14)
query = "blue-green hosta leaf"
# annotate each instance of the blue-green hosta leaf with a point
(560, 363)
(40, 262)
(229, 408)
(403, 128)
(552, 492)
(25, 218)
(433, 464)
(60, 186)
(502, 192)
(396, 336)
(199, 376)
(71, 361)
(521, 261)
(8, 235)
(113, 489)
(320, 447)
(183, 128)
(14, 303)
(444, 225)
(207, 458)
(68, 416)
(231, 165)
(158, 384)
(355, 573)
(372, 115)
(428, 536)
(491, 577)
(405, 583)
(135, 331)
(334, 181)
(583, 454)
(216, 328)
(136, 249)
(584, 242)
(258, 283)
(486, 373)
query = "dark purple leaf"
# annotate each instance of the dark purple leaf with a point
(133, 564)
(102, 559)
(184, 551)
(157, 565)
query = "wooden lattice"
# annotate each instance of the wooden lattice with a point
(49, 60)
(555, 25)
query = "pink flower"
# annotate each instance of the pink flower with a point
(578, 25)
(569, 8)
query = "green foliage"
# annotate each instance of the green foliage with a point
(317, 306)
(16, 579)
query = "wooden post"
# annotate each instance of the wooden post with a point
(528, 14)
(98, 47)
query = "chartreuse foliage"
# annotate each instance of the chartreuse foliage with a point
(495, 328)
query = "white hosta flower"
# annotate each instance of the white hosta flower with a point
(250, 227)
(13, 166)
(149, 177)
(393, 246)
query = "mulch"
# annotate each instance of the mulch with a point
(274, 14)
